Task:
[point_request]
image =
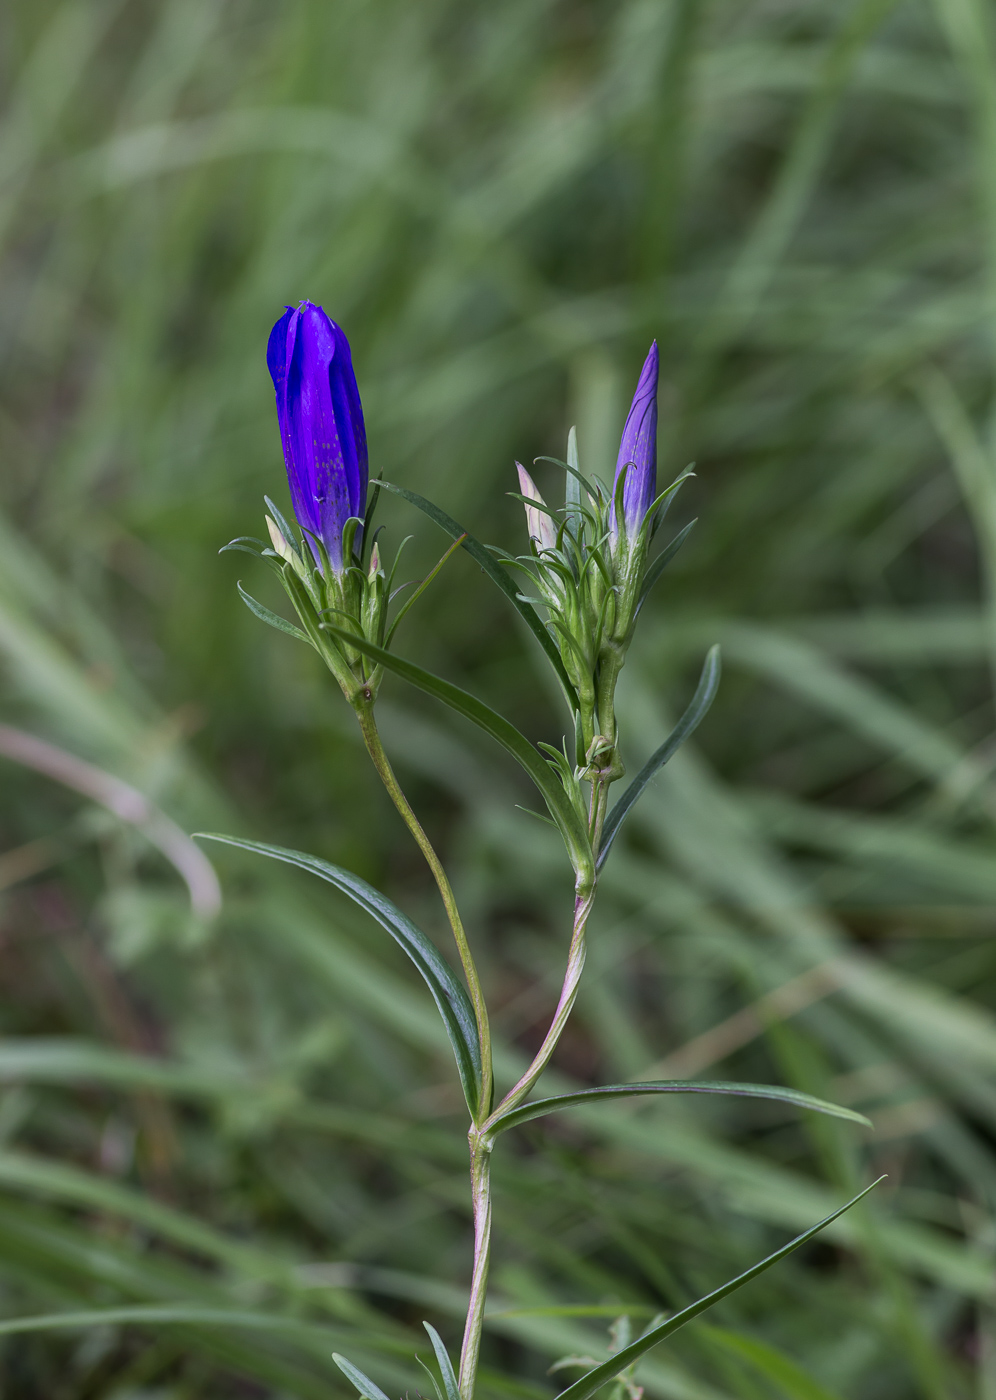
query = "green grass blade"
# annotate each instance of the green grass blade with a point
(540, 1107)
(363, 1383)
(542, 773)
(689, 722)
(772, 1364)
(502, 578)
(447, 992)
(595, 1379)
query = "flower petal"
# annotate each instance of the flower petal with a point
(638, 447)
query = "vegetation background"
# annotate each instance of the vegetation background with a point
(228, 1146)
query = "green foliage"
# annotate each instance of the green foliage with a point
(539, 1107)
(451, 999)
(502, 205)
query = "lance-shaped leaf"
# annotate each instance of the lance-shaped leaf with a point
(451, 1388)
(363, 1383)
(661, 562)
(502, 578)
(540, 1107)
(447, 992)
(274, 619)
(572, 828)
(701, 700)
(593, 1380)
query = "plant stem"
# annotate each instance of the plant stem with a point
(583, 900)
(480, 1189)
(362, 704)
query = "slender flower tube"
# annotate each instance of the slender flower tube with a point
(321, 426)
(638, 449)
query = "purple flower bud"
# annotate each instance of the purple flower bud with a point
(638, 448)
(321, 425)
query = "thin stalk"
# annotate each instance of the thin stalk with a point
(375, 748)
(480, 1188)
(583, 900)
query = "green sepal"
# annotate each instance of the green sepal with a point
(572, 829)
(517, 1116)
(241, 544)
(701, 700)
(363, 1383)
(573, 516)
(432, 1380)
(448, 993)
(661, 562)
(450, 1387)
(274, 619)
(420, 588)
(291, 535)
(595, 1379)
(499, 576)
(368, 537)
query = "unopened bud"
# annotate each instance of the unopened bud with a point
(374, 569)
(541, 528)
(280, 545)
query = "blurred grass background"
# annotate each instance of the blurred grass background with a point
(250, 1126)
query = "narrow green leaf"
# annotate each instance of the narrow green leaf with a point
(661, 562)
(502, 578)
(571, 827)
(363, 1383)
(450, 1385)
(274, 619)
(595, 1379)
(540, 1107)
(701, 700)
(447, 992)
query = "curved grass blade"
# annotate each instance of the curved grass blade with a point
(662, 561)
(450, 1386)
(363, 1383)
(159, 1314)
(502, 578)
(540, 1107)
(274, 619)
(595, 1379)
(571, 827)
(447, 992)
(772, 1364)
(701, 700)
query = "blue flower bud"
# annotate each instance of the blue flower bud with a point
(321, 426)
(638, 449)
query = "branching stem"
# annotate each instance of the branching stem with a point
(480, 1190)
(481, 1136)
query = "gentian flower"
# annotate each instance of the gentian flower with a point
(638, 449)
(321, 426)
